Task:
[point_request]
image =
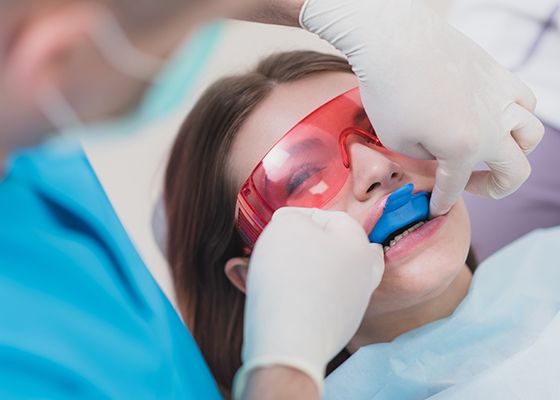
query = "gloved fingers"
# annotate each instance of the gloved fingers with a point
(415, 150)
(295, 214)
(336, 222)
(339, 223)
(418, 151)
(478, 183)
(377, 248)
(506, 175)
(281, 212)
(378, 263)
(323, 219)
(521, 93)
(525, 127)
(451, 178)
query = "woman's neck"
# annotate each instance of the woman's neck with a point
(385, 327)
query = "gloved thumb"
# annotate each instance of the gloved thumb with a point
(451, 179)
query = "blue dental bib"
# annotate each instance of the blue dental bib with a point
(402, 209)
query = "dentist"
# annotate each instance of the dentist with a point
(80, 315)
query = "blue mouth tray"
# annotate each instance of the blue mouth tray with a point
(401, 209)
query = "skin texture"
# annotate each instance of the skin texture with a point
(421, 283)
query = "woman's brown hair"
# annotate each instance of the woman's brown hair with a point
(200, 204)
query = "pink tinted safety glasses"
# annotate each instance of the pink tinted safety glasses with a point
(307, 167)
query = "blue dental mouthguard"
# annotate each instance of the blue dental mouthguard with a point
(402, 209)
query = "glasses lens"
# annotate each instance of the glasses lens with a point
(306, 168)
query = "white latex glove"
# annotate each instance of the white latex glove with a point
(311, 277)
(431, 92)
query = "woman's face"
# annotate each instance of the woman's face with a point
(418, 267)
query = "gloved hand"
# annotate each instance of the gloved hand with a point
(431, 92)
(311, 276)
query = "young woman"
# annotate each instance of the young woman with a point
(229, 131)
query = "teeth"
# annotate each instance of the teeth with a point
(401, 235)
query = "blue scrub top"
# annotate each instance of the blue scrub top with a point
(80, 314)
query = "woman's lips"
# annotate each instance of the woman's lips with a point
(414, 240)
(375, 214)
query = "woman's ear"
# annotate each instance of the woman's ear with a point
(236, 270)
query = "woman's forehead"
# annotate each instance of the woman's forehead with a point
(287, 104)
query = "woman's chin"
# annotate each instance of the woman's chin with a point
(424, 263)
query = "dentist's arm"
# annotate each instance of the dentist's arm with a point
(311, 277)
(430, 91)
(277, 12)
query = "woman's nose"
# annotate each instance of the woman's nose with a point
(374, 173)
